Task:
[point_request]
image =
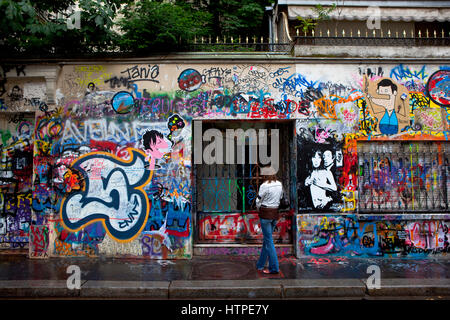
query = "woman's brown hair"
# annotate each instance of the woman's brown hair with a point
(271, 178)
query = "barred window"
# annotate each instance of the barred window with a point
(403, 176)
(234, 187)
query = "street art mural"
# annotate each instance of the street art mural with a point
(16, 164)
(319, 156)
(388, 102)
(372, 236)
(107, 170)
(222, 228)
(112, 193)
(438, 87)
(15, 184)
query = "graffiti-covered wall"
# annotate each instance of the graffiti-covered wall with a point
(373, 236)
(20, 96)
(112, 159)
(374, 147)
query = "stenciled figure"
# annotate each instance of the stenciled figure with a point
(321, 179)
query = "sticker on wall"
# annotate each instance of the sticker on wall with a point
(175, 123)
(156, 146)
(438, 87)
(190, 80)
(112, 194)
(123, 102)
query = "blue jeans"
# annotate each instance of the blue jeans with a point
(268, 248)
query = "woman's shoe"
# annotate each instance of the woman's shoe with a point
(266, 271)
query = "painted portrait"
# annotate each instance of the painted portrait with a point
(388, 102)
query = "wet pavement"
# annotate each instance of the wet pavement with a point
(14, 267)
(224, 277)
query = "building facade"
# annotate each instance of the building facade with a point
(162, 157)
(120, 163)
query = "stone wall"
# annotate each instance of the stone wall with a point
(112, 155)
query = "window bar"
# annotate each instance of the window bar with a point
(229, 194)
(386, 176)
(361, 179)
(445, 175)
(443, 178)
(368, 179)
(432, 182)
(392, 177)
(379, 175)
(412, 175)
(419, 170)
(425, 152)
(436, 178)
(370, 165)
(416, 168)
(440, 177)
(398, 176)
(405, 177)
(428, 201)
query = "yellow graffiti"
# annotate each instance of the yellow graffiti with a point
(91, 74)
(349, 200)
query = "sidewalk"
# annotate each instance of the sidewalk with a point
(225, 277)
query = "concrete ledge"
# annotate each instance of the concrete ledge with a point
(36, 289)
(225, 289)
(411, 287)
(311, 288)
(371, 51)
(125, 289)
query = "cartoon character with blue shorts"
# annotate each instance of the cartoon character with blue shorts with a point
(384, 109)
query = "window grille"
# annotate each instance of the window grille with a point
(234, 187)
(400, 176)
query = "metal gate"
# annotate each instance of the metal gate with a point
(225, 194)
(397, 176)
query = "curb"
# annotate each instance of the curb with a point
(228, 289)
(125, 289)
(324, 288)
(411, 287)
(225, 289)
(36, 289)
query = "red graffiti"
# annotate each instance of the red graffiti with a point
(39, 240)
(319, 261)
(229, 227)
(348, 178)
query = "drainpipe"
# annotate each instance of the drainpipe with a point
(270, 18)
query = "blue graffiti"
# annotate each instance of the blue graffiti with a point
(174, 213)
(402, 72)
(112, 194)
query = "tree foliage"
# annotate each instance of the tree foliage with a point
(40, 27)
(236, 17)
(160, 26)
(306, 25)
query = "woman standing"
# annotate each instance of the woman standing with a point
(267, 202)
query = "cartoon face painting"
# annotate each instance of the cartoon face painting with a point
(190, 80)
(388, 103)
(155, 145)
